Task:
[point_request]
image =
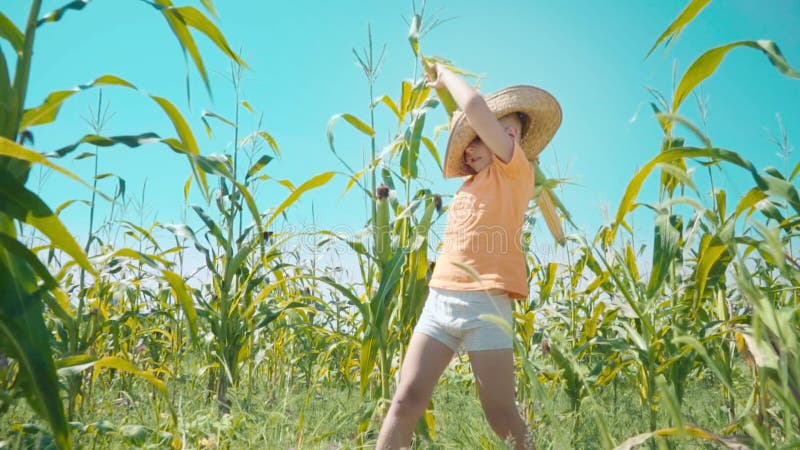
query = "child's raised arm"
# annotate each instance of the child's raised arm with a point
(480, 117)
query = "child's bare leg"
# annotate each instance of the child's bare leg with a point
(424, 363)
(494, 375)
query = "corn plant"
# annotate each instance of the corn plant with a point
(240, 259)
(695, 284)
(29, 283)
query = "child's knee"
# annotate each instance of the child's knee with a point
(409, 400)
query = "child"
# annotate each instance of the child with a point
(489, 142)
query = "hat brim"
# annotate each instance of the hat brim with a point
(542, 117)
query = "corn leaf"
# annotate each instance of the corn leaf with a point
(14, 247)
(56, 15)
(213, 228)
(270, 141)
(11, 33)
(47, 111)
(312, 183)
(708, 254)
(124, 365)
(258, 165)
(674, 30)
(183, 294)
(25, 338)
(432, 149)
(192, 17)
(386, 100)
(7, 98)
(27, 207)
(749, 200)
(665, 248)
(708, 62)
(632, 191)
(131, 141)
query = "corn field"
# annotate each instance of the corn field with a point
(104, 345)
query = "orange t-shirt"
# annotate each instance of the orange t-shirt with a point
(484, 229)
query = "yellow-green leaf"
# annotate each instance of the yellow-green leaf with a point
(27, 207)
(708, 62)
(184, 297)
(313, 183)
(674, 30)
(11, 33)
(114, 362)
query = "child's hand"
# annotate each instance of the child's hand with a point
(434, 76)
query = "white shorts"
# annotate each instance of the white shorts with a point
(452, 317)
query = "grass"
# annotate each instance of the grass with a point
(121, 413)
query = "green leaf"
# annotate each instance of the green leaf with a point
(192, 17)
(352, 120)
(180, 19)
(631, 192)
(354, 179)
(14, 247)
(674, 30)
(666, 121)
(214, 115)
(386, 100)
(708, 62)
(708, 254)
(212, 226)
(749, 200)
(209, 6)
(7, 98)
(665, 248)
(124, 365)
(251, 204)
(722, 372)
(186, 138)
(678, 173)
(14, 150)
(432, 149)
(27, 207)
(546, 285)
(270, 141)
(150, 260)
(405, 97)
(25, 338)
(258, 165)
(47, 111)
(312, 183)
(181, 32)
(11, 33)
(131, 141)
(56, 15)
(214, 165)
(142, 232)
(68, 203)
(182, 293)
(410, 153)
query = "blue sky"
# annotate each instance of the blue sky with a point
(589, 54)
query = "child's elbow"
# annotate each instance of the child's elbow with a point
(474, 104)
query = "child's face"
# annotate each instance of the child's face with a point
(477, 155)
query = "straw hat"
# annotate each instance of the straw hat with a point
(540, 114)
